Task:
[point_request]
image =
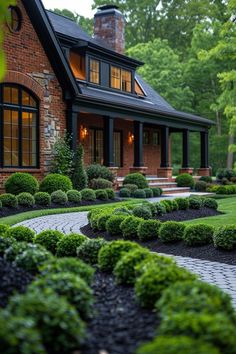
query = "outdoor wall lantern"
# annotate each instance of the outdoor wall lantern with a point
(83, 132)
(130, 138)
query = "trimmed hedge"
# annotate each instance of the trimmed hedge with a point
(183, 203)
(148, 230)
(101, 194)
(110, 193)
(132, 187)
(74, 196)
(157, 192)
(54, 182)
(98, 171)
(89, 250)
(129, 227)
(200, 186)
(3, 229)
(171, 231)
(8, 200)
(113, 224)
(68, 245)
(49, 239)
(185, 180)
(42, 198)
(142, 211)
(21, 182)
(210, 203)
(32, 258)
(139, 193)
(88, 194)
(21, 233)
(100, 183)
(160, 209)
(59, 197)
(124, 193)
(195, 203)
(148, 192)
(224, 237)
(101, 221)
(200, 234)
(25, 199)
(136, 178)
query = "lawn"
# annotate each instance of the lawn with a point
(228, 207)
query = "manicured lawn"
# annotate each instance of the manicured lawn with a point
(228, 207)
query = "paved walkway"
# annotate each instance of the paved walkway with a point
(220, 274)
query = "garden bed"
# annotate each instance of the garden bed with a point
(189, 214)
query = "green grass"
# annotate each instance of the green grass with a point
(15, 219)
(228, 207)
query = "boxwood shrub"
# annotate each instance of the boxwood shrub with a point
(160, 209)
(21, 233)
(113, 224)
(150, 206)
(207, 179)
(59, 197)
(200, 234)
(42, 198)
(5, 243)
(139, 193)
(200, 186)
(125, 193)
(210, 203)
(136, 178)
(110, 193)
(148, 230)
(155, 260)
(88, 194)
(101, 194)
(101, 221)
(32, 258)
(183, 203)
(148, 192)
(8, 200)
(100, 183)
(122, 211)
(68, 245)
(3, 229)
(171, 231)
(167, 206)
(142, 211)
(16, 248)
(129, 227)
(157, 192)
(132, 187)
(98, 171)
(195, 203)
(185, 180)
(49, 239)
(89, 250)
(224, 237)
(53, 182)
(74, 196)
(25, 199)
(21, 182)
(112, 252)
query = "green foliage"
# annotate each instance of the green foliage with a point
(84, 22)
(132, 187)
(157, 192)
(150, 206)
(97, 171)
(49, 239)
(53, 182)
(21, 233)
(101, 194)
(129, 227)
(153, 261)
(207, 179)
(16, 248)
(68, 245)
(122, 211)
(225, 173)
(62, 162)
(177, 345)
(68, 265)
(160, 208)
(59, 197)
(88, 194)
(125, 193)
(142, 211)
(210, 203)
(200, 186)
(113, 224)
(100, 183)
(3, 229)
(25, 199)
(199, 234)
(183, 203)
(54, 318)
(185, 180)
(222, 190)
(0, 205)
(195, 203)
(171, 231)
(72, 287)
(112, 252)
(79, 176)
(224, 237)
(167, 205)
(42, 198)
(148, 192)
(101, 221)
(136, 178)
(89, 250)
(21, 182)
(5, 243)
(110, 193)
(8, 200)
(74, 196)
(148, 230)
(32, 258)
(140, 193)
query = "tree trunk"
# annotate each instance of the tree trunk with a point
(230, 158)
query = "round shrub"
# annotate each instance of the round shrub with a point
(155, 260)
(68, 265)
(101, 221)
(167, 205)
(59, 197)
(176, 345)
(149, 206)
(225, 173)
(98, 171)
(112, 252)
(73, 196)
(210, 203)
(16, 248)
(155, 279)
(42, 198)
(194, 296)
(171, 231)
(200, 186)
(200, 234)
(132, 187)
(3, 229)
(32, 258)
(21, 233)
(59, 324)
(183, 203)
(170, 205)
(101, 194)
(88, 194)
(8, 200)
(125, 193)
(110, 193)
(148, 230)
(94, 220)
(175, 205)
(0, 205)
(122, 211)
(113, 224)
(224, 237)
(157, 192)
(73, 288)
(100, 183)
(142, 211)
(49, 239)
(68, 245)
(124, 270)
(136, 178)
(21, 182)
(129, 227)
(140, 193)
(54, 182)
(89, 250)
(185, 180)
(160, 209)
(5, 243)
(148, 192)
(207, 179)
(195, 203)
(215, 329)
(25, 199)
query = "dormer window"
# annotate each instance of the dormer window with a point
(115, 77)
(94, 71)
(126, 80)
(120, 79)
(77, 64)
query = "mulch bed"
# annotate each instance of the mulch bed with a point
(119, 324)
(189, 214)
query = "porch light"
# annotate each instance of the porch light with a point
(83, 132)
(130, 138)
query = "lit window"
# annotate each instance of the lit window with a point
(115, 78)
(94, 74)
(120, 79)
(126, 80)
(77, 63)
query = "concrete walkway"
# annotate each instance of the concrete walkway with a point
(220, 274)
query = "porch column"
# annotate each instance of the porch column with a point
(108, 141)
(138, 144)
(185, 161)
(204, 170)
(72, 127)
(165, 171)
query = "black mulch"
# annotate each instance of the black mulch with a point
(189, 214)
(119, 324)
(12, 279)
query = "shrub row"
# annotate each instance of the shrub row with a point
(219, 189)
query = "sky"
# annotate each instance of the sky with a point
(82, 7)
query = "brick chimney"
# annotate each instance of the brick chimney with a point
(109, 25)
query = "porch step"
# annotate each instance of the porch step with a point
(176, 190)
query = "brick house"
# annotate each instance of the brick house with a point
(59, 78)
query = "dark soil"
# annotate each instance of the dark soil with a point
(12, 279)
(119, 325)
(189, 214)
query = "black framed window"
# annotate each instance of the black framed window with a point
(146, 137)
(120, 79)
(19, 128)
(118, 149)
(94, 71)
(96, 146)
(155, 138)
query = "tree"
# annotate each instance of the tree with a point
(84, 22)
(79, 177)
(62, 162)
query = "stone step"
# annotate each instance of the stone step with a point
(176, 190)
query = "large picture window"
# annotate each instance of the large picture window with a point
(19, 127)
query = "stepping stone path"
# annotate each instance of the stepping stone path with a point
(220, 274)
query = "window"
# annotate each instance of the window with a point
(146, 137)
(77, 64)
(14, 19)
(156, 138)
(121, 79)
(96, 146)
(138, 89)
(115, 77)
(19, 127)
(94, 71)
(126, 80)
